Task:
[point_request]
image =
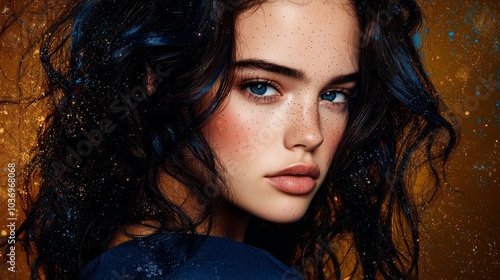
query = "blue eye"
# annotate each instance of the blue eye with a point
(334, 96)
(261, 89)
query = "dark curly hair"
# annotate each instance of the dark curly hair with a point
(127, 84)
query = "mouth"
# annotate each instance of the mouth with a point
(298, 179)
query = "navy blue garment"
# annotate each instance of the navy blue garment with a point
(165, 256)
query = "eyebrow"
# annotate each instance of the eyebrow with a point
(267, 66)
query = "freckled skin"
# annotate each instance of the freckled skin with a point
(254, 138)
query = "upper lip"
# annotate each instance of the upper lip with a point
(299, 169)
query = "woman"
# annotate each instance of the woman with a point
(183, 135)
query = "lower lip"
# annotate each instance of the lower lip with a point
(293, 184)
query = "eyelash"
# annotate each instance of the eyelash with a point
(257, 98)
(346, 92)
(243, 86)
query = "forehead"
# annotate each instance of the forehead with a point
(309, 35)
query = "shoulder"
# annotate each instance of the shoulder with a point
(193, 257)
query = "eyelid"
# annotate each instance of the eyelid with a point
(242, 83)
(245, 83)
(348, 88)
(345, 91)
(348, 92)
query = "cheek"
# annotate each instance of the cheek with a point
(333, 129)
(224, 132)
(221, 130)
(240, 136)
(229, 133)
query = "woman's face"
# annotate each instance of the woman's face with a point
(296, 66)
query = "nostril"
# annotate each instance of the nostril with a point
(306, 133)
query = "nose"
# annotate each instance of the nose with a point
(304, 127)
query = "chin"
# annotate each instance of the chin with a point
(288, 220)
(283, 215)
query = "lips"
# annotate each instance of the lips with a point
(296, 179)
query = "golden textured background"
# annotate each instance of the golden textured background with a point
(461, 50)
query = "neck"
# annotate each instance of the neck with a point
(230, 222)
